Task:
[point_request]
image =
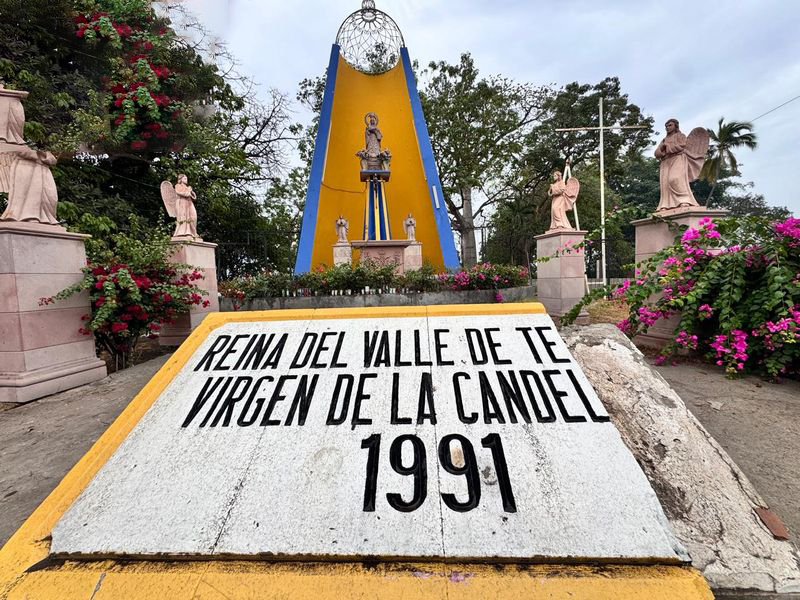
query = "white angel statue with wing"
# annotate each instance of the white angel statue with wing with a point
(179, 202)
(563, 195)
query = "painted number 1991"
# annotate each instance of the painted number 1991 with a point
(418, 468)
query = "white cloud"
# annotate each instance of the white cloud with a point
(696, 60)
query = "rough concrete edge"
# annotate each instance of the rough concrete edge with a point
(609, 336)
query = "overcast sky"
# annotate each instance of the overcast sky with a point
(696, 60)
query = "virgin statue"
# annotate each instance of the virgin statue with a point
(373, 158)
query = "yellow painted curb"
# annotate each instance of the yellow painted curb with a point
(25, 572)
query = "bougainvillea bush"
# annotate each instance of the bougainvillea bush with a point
(134, 290)
(733, 285)
(143, 97)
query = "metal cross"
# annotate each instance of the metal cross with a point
(602, 129)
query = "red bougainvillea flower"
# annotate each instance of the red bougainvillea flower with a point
(118, 327)
(100, 301)
(138, 145)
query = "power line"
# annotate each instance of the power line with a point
(776, 108)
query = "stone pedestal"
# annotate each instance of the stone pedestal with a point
(412, 257)
(561, 281)
(652, 236)
(391, 251)
(41, 349)
(342, 254)
(200, 255)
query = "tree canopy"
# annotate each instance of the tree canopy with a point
(124, 102)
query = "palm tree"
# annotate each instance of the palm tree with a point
(727, 137)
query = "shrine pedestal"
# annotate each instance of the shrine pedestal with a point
(342, 254)
(200, 255)
(561, 281)
(653, 234)
(406, 255)
(41, 348)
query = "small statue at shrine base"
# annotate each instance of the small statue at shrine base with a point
(342, 227)
(410, 225)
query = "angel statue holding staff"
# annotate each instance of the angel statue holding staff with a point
(563, 195)
(681, 159)
(179, 202)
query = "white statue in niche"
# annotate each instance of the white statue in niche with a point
(24, 172)
(410, 225)
(179, 202)
(342, 227)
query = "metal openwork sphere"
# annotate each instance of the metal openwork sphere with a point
(370, 40)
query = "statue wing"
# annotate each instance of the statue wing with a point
(696, 150)
(169, 197)
(573, 189)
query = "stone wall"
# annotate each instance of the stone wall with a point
(519, 294)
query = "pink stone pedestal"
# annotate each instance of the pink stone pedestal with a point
(41, 349)
(652, 236)
(406, 254)
(560, 282)
(201, 255)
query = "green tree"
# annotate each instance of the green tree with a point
(125, 102)
(727, 137)
(525, 182)
(476, 126)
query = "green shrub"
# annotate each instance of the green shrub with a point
(736, 286)
(133, 288)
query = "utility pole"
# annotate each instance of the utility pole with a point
(602, 129)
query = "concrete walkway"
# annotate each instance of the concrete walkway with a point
(758, 424)
(755, 421)
(42, 440)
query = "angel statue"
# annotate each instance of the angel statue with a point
(179, 202)
(563, 195)
(681, 159)
(410, 225)
(24, 172)
(373, 158)
(342, 227)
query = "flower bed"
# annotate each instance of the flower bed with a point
(736, 286)
(371, 278)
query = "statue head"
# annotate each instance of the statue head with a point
(183, 179)
(371, 119)
(672, 126)
(556, 175)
